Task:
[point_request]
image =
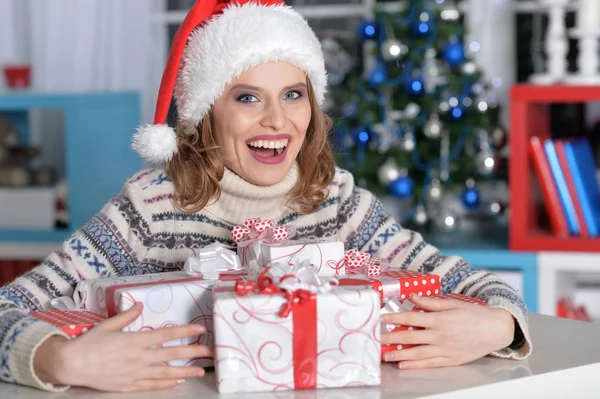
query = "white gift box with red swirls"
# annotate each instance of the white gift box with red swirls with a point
(170, 299)
(331, 340)
(326, 256)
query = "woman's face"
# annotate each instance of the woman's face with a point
(260, 122)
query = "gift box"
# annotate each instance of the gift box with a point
(290, 329)
(170, 299)
(72, 322)
(396, 306)
(402, 283)
(262, 242)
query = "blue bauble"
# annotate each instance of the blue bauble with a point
(414, 86)
(422, 28)
(457, 113)
(471, 199)
(361, 136)
(454, 53)
(378, 75)
(403, 187)
(367, 30)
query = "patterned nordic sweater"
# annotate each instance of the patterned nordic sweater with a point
(140, 231)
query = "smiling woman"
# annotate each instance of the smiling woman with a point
(249, 80)
(267, 121)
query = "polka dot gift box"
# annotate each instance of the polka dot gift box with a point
(401, 283)
(72, 322)
(396, 306)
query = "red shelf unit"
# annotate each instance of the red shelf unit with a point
(530, 116)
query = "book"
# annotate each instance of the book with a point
(583, 169)
(558, 222)
(564, 165)
(561, 187)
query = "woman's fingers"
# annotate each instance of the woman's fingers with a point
(420, 352)
(415, 319)
(166, 334)
(170, 353)
(426, 363)
(413, 337)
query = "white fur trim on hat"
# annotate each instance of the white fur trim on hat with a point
(241, 37)
(155, 143)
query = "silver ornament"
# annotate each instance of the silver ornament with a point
(444, 106)
(411, 111)
(420, 217)
(468, 68)
(453, 102)
(485, 162)
(435, 190)
(393, 49)
(494, 208)
(482, 106)
(388, 172)
(467, 102)
(408, 142)
(433, 127)
(450, 14)
(447, 221)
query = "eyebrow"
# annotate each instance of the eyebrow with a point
(255, 88)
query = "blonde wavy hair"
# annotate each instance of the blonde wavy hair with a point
(198, 167)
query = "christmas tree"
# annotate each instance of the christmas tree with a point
(422, 124)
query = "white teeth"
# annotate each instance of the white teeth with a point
(278, 144)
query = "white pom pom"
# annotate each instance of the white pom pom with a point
(155, 143)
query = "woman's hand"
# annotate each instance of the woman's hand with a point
(454, 333)
(107, 359)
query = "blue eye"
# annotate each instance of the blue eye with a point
(247, 98)
(292, 95)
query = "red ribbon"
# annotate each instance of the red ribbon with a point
(302, 305)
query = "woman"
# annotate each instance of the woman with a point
(249, 80)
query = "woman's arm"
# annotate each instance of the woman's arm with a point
(106, 246)
(366, 225)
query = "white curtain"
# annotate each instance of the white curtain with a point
(84, 46)
(91, 45)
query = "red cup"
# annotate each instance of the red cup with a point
(17, 76)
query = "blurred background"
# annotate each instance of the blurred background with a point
(476, 122)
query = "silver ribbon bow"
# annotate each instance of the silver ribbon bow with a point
(300, 275)
(212, 260)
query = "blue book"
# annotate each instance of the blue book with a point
(583, 172)
(562, 188)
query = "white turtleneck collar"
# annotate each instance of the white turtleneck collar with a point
(241, 200)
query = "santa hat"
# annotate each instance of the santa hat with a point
(217, 41)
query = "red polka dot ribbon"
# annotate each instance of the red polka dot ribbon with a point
(362, 263)
(257, 230)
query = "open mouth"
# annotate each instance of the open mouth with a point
(269, 151)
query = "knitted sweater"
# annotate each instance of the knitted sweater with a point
(140, 231)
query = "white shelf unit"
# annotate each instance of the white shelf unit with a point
(569, 274)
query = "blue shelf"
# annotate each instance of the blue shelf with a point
(98, 128)
(34, 236)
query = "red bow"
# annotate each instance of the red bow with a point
(255, 230)
(297, 297)
(362, 262)
(265, 286)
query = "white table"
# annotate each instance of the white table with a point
(565, 363)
